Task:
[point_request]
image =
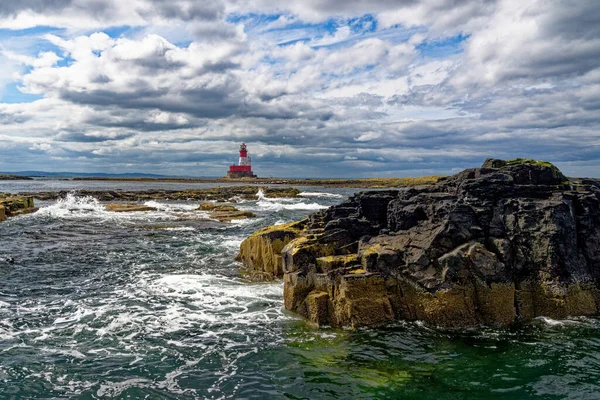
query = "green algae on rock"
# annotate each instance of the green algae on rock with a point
(261, 252)
(490, 246)
(129, 208)
(11, 205)
(224, 213)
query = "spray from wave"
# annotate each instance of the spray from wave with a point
(171, 207)
(321, 194)
(268, 204)
(90, 208)
(73, 206)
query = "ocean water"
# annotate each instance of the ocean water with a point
(96, 304)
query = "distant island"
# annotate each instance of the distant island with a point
(46, 174)
(4, 177)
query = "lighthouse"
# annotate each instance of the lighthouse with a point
(244, 168)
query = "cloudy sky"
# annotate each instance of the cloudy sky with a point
(318, 88)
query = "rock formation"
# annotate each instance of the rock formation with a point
(11, 205)
(490, 246)
(225, 213)
(219, 212)
(128, 208)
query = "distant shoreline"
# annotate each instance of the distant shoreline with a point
(373, 183)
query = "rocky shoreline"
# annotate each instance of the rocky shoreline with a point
(367, 183)
(495, 245)
(23, 203)
(221, 193)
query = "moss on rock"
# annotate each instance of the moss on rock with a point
(261, 252)
(11, 205)
(129, 208)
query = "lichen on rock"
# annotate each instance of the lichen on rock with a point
(13, 205)
(488, 246)
(261, 252)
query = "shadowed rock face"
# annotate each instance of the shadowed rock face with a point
(491, 246)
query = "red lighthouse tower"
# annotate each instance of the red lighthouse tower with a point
(244, 167)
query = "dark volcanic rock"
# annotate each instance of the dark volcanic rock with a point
(493, 245)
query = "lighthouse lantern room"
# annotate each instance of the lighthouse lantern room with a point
(244, 167)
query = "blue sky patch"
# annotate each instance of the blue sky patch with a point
(11, 94)
(443, 47)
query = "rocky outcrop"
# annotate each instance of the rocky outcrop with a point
(11, 205)
(261, 252)
(488, 246)
(225, 213)
(128, 208)
(221, 193)
(219, 212)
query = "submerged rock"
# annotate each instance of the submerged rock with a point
(225, 213)
(488, 246)
(129, 208)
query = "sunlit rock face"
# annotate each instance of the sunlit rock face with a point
(11, 205)
(489, 246)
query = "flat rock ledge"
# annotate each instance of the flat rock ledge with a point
(219, 212)
(496, 245)
(225, 213)
(11, 206)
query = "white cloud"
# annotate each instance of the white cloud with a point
(186, 83)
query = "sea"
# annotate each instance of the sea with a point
(97, 305)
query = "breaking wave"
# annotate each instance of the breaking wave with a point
(321, 194)
(279, 204)
(73, 206)
(90, 208)
(171, 207)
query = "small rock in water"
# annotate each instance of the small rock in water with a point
(129, 208)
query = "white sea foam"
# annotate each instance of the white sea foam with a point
(202, 300)
(171, 207)
(553, 322)
(276, 205)
(73, 206)
(321, 194)
(233, 243)
(179, 228)
(87, 207)
(261, 195)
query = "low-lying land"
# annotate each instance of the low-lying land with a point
(14, 178)
(372, 183)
